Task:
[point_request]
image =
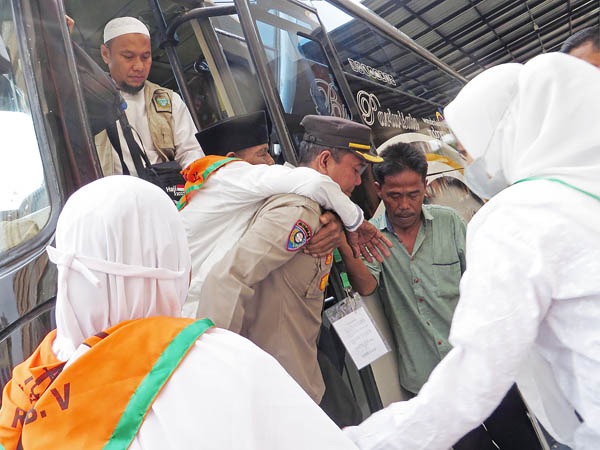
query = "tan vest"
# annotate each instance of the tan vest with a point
(159, 109)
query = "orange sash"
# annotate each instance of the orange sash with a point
(99, 401)
(198, 172)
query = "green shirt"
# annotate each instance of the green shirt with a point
(419, 292)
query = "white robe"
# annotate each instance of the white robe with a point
(229, 394)
(533, 258)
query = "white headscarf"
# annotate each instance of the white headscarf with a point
(122, 254)
(536, 119)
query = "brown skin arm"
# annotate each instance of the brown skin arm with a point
(369, 242)
(328, 238)
(360, 278)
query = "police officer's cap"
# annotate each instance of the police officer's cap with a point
(234, 134)
(336, 132)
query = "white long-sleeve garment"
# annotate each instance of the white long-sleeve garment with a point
(125, 257)
(533, 258)
(187, 149)
(218, 214)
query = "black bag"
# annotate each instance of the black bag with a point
(166, 175)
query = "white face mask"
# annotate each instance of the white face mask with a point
(481, 182)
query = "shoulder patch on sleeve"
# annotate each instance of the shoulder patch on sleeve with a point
(299, 236)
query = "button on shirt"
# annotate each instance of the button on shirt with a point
(419, 291)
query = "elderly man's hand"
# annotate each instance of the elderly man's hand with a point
(369, 242)
(328, 238)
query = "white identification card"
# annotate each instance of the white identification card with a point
(357, 331)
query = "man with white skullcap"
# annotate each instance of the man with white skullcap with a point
(123, 369)
(162, 123)
(530, 294)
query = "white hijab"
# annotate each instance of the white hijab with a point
(122, 254)
(537, 119)
(533, 119)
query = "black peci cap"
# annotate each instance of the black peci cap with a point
(234, 134)
(341, 133)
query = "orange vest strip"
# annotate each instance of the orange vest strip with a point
(197, 173)
(101, 400)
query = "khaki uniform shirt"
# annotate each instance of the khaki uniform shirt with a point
(273, 288)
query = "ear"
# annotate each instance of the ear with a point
(425, 184)
(233, 155)
(324, 161)
(105, 52)
(377, 188)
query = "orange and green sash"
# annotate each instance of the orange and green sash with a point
(197, 173)
(101, 400)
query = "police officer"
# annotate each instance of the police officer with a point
(278, 287)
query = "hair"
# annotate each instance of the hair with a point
(308, 151)
(398, 158)
(590, 34)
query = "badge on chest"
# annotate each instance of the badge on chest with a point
(161, 102)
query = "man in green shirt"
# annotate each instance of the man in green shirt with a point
(418, 286)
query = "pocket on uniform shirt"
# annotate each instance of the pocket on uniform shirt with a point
(447, 278)
(306, 276)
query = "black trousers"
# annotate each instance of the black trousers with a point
(508, 426)
(338, 402)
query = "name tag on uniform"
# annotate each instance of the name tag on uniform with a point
(357, 330)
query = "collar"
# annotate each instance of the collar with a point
(383, 222)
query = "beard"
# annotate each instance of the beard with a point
(131, 89)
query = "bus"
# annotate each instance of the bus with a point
(287, 57)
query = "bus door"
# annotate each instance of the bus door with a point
(299, 74)
(275, 56)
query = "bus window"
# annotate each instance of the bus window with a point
(304, 80)
(396, 90)
(296, 59)
(24, 201)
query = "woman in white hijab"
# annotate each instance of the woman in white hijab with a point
(533, 258)
(164, 381)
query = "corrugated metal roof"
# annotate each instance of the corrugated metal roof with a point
(471, 35)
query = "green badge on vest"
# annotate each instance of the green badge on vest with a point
(162, 102)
